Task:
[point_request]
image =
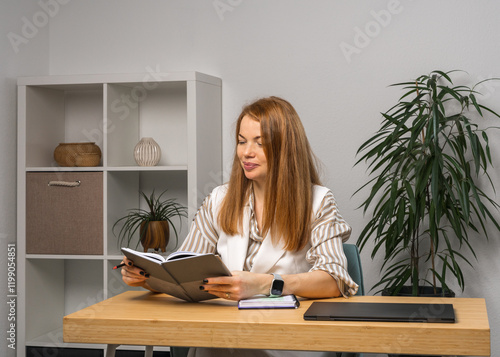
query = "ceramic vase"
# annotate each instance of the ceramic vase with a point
(147, 152)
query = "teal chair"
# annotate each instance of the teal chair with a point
(353, 268)
(356, 273)
(179, 351)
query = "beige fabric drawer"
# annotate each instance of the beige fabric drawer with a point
(63, 219)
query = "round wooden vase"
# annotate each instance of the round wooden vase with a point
(147, 152)
(155, 235)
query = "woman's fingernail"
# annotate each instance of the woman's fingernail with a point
(202, 287)
(129, 264)
(205, 281)
(147, 275)
(142, 273)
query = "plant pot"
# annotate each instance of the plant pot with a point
(426, 291)
(155, 235)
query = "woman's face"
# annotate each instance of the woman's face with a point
(250, 150)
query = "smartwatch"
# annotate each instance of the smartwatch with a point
(276, 286)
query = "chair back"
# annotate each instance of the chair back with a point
(351, 252)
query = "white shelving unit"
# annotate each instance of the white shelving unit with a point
(181, 111)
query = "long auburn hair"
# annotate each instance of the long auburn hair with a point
(292, 171)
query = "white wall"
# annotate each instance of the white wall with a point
(297, 50)
(24, 50)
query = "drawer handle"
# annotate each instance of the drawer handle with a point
(64, 183)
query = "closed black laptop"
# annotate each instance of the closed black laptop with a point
(389, 312)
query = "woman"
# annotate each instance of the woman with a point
(273, 217)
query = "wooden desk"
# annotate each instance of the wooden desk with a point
(142, 318)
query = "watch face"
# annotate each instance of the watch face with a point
(277, 288)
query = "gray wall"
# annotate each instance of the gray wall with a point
(333, 60)
(24, 50)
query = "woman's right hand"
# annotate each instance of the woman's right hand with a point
(132, 275)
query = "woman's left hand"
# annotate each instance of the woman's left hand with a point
(241, 285)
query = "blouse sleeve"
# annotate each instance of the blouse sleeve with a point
(329, 231)
(203, 236)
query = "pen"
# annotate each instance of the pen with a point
(119, 266)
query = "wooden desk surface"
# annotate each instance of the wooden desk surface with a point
(142, 318)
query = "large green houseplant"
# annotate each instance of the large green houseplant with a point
(151, 223)
(429, 162)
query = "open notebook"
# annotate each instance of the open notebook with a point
(391, 312)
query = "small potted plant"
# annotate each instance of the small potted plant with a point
(429, 163)
(152, 223)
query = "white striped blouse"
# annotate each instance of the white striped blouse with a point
(329, 231)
